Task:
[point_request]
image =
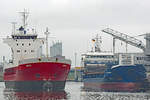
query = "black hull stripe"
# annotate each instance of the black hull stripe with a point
(35, 85)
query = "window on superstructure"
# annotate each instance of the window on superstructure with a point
(18, 50)
(87, 56)
(32, 50)
(109, 56)
(29, 44)
(17, 44)
(25, 50)
(22, 44)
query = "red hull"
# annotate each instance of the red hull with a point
(116, 86)
(38, 71)
(37, 76)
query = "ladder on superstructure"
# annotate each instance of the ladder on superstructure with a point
(123, 37)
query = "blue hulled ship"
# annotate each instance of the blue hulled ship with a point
(110, 71)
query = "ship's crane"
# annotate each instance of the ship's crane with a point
(123, 37)
(134, 42)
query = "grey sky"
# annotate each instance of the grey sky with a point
(75, 22)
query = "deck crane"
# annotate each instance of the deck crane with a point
(123, 37)
(134, 42)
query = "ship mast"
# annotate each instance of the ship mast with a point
(25, 16)
(97, 43)
(47, 33)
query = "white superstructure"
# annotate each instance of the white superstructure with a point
(97, 57)
(24, 44)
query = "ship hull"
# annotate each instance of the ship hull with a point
(35, 85)
(115, 86)
(127, 78)
(37, 76)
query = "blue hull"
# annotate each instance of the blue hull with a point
(118, 78)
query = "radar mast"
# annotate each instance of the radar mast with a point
(25, 16)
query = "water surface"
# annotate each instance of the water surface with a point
(73, 91)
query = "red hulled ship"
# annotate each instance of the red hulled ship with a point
(30, 71)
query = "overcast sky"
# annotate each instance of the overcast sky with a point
(75, 22)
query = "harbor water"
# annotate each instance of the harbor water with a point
(73, 91)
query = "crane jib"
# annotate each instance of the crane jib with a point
(126, 38)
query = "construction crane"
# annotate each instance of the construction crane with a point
(127, 39)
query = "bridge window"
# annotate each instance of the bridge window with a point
(24, 37)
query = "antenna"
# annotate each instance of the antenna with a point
(14, 27)
(47, 33)
(75, 74)
(114, 40)
(25, 16)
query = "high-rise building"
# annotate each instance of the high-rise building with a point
(56, 49)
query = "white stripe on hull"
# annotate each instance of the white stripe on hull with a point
(45, 59)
